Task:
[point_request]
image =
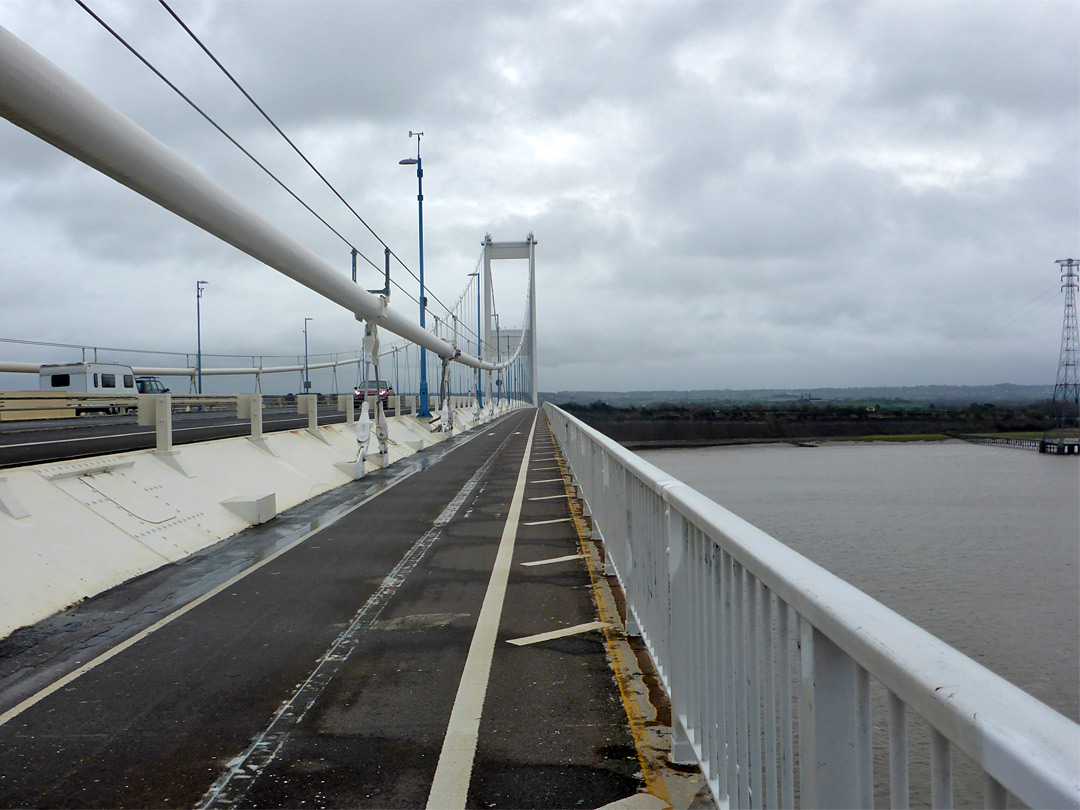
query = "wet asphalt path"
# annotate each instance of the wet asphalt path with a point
(42, 441)
(327, 676)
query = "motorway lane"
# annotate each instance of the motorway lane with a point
(161, 722)
(37, 442)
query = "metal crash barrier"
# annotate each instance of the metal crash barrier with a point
(771, 662)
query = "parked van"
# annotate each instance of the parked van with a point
(89, 378)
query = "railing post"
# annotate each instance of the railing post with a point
(829, 738)
(249, 406)
(156, 410)
(308, 404)
(346, 403)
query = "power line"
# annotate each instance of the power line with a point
(296, 149)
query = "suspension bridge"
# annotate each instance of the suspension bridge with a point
(492, 605)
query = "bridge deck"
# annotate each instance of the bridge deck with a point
(321, 659)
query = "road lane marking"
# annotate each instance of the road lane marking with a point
(577, 629)
(553, 560)
(548, 481)
(19, 708)
(450, 787)
(547, 497)
(230, 788)
(546, 522)
(537, 469)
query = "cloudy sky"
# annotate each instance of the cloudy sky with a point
(725, 194)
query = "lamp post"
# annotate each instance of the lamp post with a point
(479, 351)
(423, 300)
(199, 285)
(307, 379)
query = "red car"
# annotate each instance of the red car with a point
(372, 388)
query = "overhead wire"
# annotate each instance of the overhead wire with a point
(296, 149)
(993, 328)
(233, 140)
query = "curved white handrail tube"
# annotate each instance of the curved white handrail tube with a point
(1021, 742)
(45, 101)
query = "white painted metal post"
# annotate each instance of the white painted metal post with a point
(249, 406)
(828, 737)
(309, 404)
(346, 403)
(156, 410)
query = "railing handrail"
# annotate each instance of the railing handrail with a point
(1027, 746)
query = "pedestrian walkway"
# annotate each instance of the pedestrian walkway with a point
(425, 637)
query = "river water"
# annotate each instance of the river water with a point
(978, 545)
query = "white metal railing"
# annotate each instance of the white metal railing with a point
(775, 667)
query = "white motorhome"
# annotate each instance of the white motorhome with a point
(89, 378)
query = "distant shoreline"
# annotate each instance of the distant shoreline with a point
(810, 441)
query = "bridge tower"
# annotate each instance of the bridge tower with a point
(1067, 385)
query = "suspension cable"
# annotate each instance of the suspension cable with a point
(296, 149)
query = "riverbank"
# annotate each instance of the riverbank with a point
(677, 427)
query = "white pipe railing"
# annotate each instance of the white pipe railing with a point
(44, 100)
(769, 660)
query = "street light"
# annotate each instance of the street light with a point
(199, 285)
(479, 351)
(423, 300)
(307, 379)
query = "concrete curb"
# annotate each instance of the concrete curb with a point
(72, 529)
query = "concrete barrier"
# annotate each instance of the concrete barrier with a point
(72, 529)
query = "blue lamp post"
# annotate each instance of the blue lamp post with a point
(199, 285)
(423, 300)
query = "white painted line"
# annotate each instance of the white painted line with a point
(577, 629)
(450, 787)
(545, 468)
(547, 481)
(554, 560)
(545, 522)
(547, 497)
(19, 708)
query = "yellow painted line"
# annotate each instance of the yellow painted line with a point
(553, 560)
(37, 697)
(576, 630)
(654, 781)
(450, 787)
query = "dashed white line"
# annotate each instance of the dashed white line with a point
(553, 560)
(576, 630)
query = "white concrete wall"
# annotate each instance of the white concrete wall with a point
(70, 530)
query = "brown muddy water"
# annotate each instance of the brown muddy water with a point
(978, 545)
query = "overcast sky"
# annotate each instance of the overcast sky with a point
(725, 194)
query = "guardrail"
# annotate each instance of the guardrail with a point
(1000, 441)
(770, 661)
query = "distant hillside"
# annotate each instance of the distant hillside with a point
(999, 394)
